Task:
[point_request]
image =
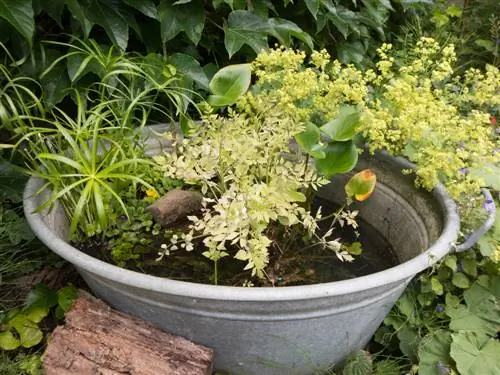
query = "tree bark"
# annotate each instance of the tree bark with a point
(99, 340)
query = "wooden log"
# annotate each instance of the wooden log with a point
(174, 206)
(99, 340)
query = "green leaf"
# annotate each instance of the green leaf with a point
(434, 353)
(283, 30)
(487, 245)
(340, 157)
(66, 296)
(409, 341)
(463, 319)
(469, 266)
(354, 248)
(190, 67)
(12, 181)
(309, 140)
(28, 331)
(146, 7)
(460, 280)
(344, 126)
(229, 83)
(41, 295)
(488, 174)
(78, 12)
(451, 262)
(451, 301)
(360, 364)
(19, 14)
(475, 354)
(454, 11)
(312, 6)
(8, 341)
(351, 53)
(54, 8)
(55, 85)
(387, 367)
(112, 19)
(245, 27)
(436, 285)
(174, 19)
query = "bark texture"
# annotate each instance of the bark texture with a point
(99, 340)
(174, 206)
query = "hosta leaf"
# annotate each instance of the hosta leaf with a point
(475, 354)
(146, 7)
(190, 67)
(309, 140)
(245, 27)
(340, 157)
(19, 14)
(229, 83)
(8, 341)
(343, 127)
(361, 185)
(434, 353)
(283, 30)
(189, 18)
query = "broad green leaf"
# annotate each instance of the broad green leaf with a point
(437, 287)
(190, 67)
(245, 27)
(19, 14)
(351, 53)
(12, 181)
(8, 341)
(229, 83)
(463, 319)
(344, 126)
(28, 331)
(189, 18)
(475, 354)
(451, 301)
(309, 140)
(41, 295)
(354, 248)
(451, 262)
(469, 266)
(434, 353)
(489, 174)
(78, 12)
(487, 245)
(54, 8)
(78, 65)
(312, 6)
(340, 157)
(360, 364)
(460, 280)
(409, 341)
(283, 30)
(36, 313)
(454, 11)
(55, 85)
(66, 296)
(146, 7)
(111, 18)
(361, 185)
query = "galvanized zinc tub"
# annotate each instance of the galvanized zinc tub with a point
(288, 330)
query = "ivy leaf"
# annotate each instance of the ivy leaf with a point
(8, 341)
(309, 140)
(434, 353)
(283, 30)
(245, 27)
(190, 67)
(340, 157)
(19, 14)
(189, 18)
(146, 7)
(229, 83)
(475, 354)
